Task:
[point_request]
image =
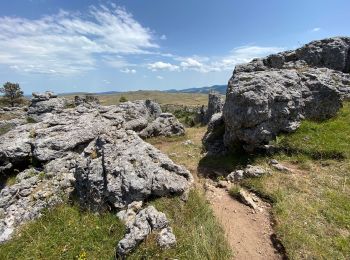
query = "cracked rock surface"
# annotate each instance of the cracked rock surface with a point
(273, 95)
(94, 151)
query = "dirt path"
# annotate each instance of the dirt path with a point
(248, 232)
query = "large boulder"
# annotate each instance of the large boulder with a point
(119, 168)
(270, 96)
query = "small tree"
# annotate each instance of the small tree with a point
(12, 93)
(122, 99)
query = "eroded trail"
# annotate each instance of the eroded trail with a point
(248, 232)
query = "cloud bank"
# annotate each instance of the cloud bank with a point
(68, 42)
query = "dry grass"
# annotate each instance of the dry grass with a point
(186, 99)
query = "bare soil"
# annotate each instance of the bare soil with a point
(248, 232)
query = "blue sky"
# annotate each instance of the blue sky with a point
(95, 46)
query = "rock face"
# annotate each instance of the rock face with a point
(272, 95)
(120, 168)
(215, 105)
(93, 150)
(43, 103)
(212, 140)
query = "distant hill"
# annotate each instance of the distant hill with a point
(204, 90)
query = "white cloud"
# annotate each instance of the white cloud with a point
(106, 81)
(316, 29)
(127, 70)
(191, 63)
(159, 65)
(160, 77)
(243, 54)
(163, 37)
(69, 42)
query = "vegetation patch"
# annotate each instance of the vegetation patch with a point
(66, 232)
(311, 205)
(5, 128)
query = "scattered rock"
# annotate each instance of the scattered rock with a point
(245, 198)
(87, 99)
(235, 176)
(254, 171)
(124, 169)
(249, 172)
(144, 223)
(166, 238)
(188, 142)
(280, 167)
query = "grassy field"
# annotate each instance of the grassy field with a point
(186, 99)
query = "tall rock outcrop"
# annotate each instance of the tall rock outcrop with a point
(273, 95)
(215, 105)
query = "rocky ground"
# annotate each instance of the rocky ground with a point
(93, 152)
(274, 198)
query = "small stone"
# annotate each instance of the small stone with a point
(166, 238)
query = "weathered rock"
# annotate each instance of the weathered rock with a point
(246, 199)
(86, 148)
(144, 223)
(43, 103)
(166, 238)
(213, 139)
(87, 99)
(164, 125)
(215, 105)
(31, 193)
(138, 114)
(120, 168)
(269, 96)
(254, 171)
(249, 172)
(235, 176)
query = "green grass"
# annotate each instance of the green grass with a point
(322, 140)
(311, 206)
(66, 232)
(198, 234)
(5, 128)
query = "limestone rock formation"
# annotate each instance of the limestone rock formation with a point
(215, 105)
(43, 103)
(270, 96)
(164, 125)
(119, 168)
(91, 149)
(213, 138)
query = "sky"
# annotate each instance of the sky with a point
(98, 46)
